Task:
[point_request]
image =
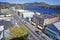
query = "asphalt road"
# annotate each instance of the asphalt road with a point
(19, 22)
(29, 26)
(31, 29)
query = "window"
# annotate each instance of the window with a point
(50, 32)
(59, 32)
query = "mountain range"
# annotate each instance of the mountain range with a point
(42, 4)
(4, 3)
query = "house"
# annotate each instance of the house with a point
(44, 19)
(4, 25)
(53, 30)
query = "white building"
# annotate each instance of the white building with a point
(4, 10)
(25, 14)
(1, 31)
(6, 17)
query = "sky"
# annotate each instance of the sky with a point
(51, 2)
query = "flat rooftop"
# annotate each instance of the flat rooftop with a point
(45, 16)
(6, 23)
(3, 13)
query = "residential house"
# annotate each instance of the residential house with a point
(4, 25)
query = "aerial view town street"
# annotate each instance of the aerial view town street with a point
(29, 19)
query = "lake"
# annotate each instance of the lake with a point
(41, 9)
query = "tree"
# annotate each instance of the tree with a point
(17, 33)
(1, 6)
(17, 6)
(7, 39)
(55, 14)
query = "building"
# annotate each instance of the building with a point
(26, 15)
(4, 25)
(53, 30)
(1, 31)
(5, 16)
(4, 10)
(44, 19)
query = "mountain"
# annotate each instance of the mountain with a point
(43, 4)
(4, 3)
(36, 4)
(7, 5)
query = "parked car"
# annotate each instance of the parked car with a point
(37, 32)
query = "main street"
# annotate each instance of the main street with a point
(29, 26)
(31, 29)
